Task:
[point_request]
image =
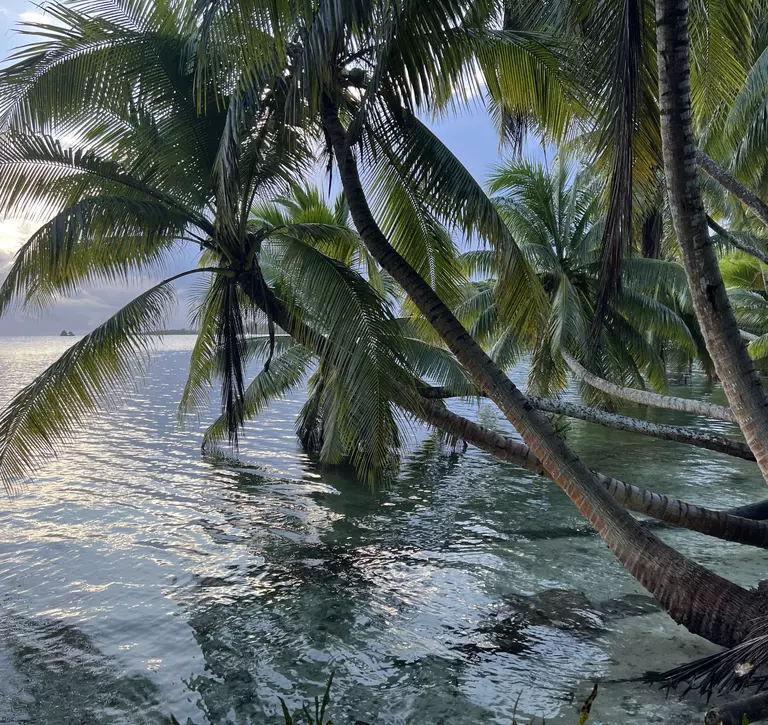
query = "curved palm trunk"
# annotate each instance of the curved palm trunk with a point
(733, 364)
(750, 709)
(677, 433)
(647, 397)
(719, 524)
(757, 510)
(732, 184)
(706, 603)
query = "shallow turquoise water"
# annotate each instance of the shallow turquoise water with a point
(138, 579)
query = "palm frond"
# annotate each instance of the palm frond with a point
(97, 239)
(286, 372)
(87, 376)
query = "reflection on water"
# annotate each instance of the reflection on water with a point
(139, 580)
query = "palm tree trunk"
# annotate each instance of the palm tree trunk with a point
(706, 603)
(732, 362)
(750, 709)
(719, 524)
(647, 397)
(677, 433)
(757, 510)
(732, 184)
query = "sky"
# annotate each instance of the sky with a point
(470, 136)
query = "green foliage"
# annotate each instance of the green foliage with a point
(87, 376)
(556, 216)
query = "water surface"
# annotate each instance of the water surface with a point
(138, 579)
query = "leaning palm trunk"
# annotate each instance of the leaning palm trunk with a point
(707, 604)
(679, 434)
(720, 524)
(751, 200)
(732, 362)
(647, 397)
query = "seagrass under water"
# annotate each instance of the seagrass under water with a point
(137, 579)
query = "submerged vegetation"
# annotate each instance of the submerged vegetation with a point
(136, 129)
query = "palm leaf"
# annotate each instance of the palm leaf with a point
(87, 376)
(286, 371)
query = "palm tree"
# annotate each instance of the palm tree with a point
(232, 101)
(556, 217)
(394, 69)
(120, 204)
(735, 368)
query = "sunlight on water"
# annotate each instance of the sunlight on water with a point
(138, 579)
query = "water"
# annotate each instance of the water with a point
(138, 579)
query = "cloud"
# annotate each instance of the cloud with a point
(37, 18)
(13, 233)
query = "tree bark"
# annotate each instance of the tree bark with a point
(679, 434)
(647, 397)
(707, 604)
(730, 183)
(757, 510)
(754, 708)
(732, 362)
(730, 525)
(719, 524)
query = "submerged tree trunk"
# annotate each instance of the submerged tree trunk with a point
(647, 397)
(732, 362)
(732, 184)
(719, 524)
(706, 603)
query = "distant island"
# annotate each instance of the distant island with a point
(64, 333)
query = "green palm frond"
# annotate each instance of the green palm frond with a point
(720, 54)
(636, 355)
(98, 239)
(364, 348)
(651, 316)
(87, 376)
(746, 123)
(478, 263)
(202, 363)
(743, 271)
(457, 198)
(404, 216)
(287, 371)
(758, 349)
(436, 365)
(647, 276)
(751, 309)
(41, 175)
